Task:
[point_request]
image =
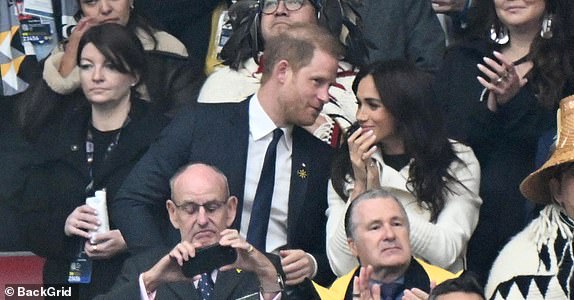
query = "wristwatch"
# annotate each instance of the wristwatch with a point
(279, 282)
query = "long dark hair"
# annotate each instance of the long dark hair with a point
(406, 93)
(553, 59)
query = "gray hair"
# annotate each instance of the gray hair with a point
(350, 223)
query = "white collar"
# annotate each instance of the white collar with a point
(261, 125)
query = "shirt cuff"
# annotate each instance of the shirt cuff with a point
(144, 295)
(277, 297)
(315, 266)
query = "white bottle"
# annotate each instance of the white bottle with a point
(99, 204)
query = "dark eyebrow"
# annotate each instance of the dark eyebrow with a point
(373, 100)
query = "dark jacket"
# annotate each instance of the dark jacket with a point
(415, 277)
(403, 29)
(231, 284)
(218, 134)
(57, 186)
(173, 82)
(170, 81)
(187, 20)
(504, 142)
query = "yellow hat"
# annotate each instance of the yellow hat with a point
(535, 186)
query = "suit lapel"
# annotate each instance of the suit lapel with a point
(225, 284)
(181, 290)
(300, 167)
(239, 133)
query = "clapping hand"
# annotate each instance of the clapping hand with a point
(504, 81)
(362, 290)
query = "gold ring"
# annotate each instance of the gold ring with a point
(95, 248)
(250, 249)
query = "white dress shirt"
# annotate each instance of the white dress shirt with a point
(260, 135)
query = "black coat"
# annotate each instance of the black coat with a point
(56, 187)
(173, 82)
(505, 144)
(406, 29)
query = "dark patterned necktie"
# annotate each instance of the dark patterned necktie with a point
(390, 291)
(259, 221)
(205, 286)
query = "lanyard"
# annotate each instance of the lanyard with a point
(90, 151)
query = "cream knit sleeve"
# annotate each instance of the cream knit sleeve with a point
(444, 242)
(55, 80)
(340, 257)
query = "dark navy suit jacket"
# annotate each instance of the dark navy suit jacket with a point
(218, 134)
(230, 285)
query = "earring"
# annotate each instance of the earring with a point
(499, 36)
(546, 31)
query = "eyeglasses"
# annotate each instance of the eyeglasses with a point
(270, 6)
(192, 208)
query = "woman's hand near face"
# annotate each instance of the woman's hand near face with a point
(81, 221)
(505, 82)
(361, 148)
(105, 245)
(68, 62)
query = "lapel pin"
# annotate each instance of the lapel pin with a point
(303, 171)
